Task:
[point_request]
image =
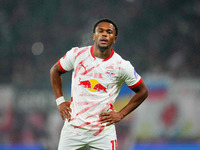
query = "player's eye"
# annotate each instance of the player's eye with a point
(109, 32)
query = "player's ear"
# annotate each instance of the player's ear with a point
(115, 39)
(93, 36)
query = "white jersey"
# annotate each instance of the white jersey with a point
(95, 86)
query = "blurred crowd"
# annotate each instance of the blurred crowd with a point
(156, 36)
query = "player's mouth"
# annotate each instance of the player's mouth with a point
(103, 41)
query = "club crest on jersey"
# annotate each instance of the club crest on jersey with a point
(110, 73)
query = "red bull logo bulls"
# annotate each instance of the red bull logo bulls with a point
(93, 85)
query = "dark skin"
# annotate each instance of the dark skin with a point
(104, 37)
(56, 83)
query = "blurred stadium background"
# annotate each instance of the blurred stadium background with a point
(161, 38)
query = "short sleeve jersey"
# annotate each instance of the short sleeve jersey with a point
(95, 85)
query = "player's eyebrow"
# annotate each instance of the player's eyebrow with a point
(109, 29)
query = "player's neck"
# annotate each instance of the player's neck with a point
(98, 53)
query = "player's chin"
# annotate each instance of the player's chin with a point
(103, 47)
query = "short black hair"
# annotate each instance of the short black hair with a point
(109, 21)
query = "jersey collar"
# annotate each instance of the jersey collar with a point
(111, 54)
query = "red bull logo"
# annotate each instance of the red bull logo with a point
(93, 85)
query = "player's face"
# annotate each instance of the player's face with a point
(104, 35)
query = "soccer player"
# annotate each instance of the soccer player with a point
(98, 73)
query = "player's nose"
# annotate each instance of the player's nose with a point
(104, 33)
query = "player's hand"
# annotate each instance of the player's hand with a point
(110, 117)
(64, 109)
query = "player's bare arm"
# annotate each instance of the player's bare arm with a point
(56, 83)
(141, 94)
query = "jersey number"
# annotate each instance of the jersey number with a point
(114, 144)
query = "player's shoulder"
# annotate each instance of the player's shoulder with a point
(124, 65)
(80, 49)
(120, 59)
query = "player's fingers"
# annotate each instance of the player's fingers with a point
(102, 118)
(109, 123)
(107, 115)
(67, 115)
(63, 118)
(69, 109)
(104, 114)
(105, 119)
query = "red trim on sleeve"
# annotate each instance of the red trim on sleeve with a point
(135, 85)
(61, 67)
(111, 107)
